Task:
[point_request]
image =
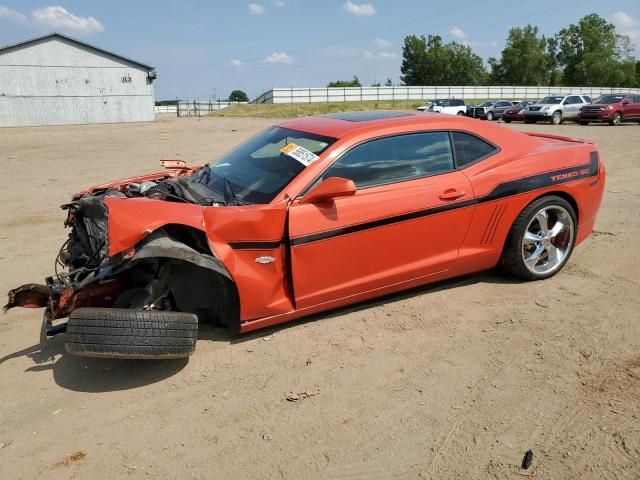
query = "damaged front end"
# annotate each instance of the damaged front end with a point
(163, 267)
(81, 267)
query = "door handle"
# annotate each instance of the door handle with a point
(451, 194)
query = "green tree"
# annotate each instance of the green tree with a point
(414, 60)
(389, 82)
(238, 96)
(355, 82)
(593, 54)
(429, 61)
(523, 61)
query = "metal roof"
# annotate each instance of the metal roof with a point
(31, 41)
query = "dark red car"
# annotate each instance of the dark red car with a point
(516, 113)
(613, 108)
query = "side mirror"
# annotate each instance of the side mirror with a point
(329, 189)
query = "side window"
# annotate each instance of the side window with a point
(572, 100)
(459, 103)
(587, 98)
(394, 159)
(503, 104)
(470, 148)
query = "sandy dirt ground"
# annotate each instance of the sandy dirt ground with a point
(456, 380)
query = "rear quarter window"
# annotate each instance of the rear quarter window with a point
(469, 148)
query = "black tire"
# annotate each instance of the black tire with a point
(507, 120)
(136, 334)
(617, 119)
(512, 260)
(461, 114)
(584, 122)
(527, 121)
(490, 116)
(556, 118)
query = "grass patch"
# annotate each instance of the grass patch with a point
(293, 110)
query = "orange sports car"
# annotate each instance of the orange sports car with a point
(309, 215)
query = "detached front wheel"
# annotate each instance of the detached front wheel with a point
(541, 239)
(134, 334)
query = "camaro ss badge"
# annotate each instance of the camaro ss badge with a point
(264, 260)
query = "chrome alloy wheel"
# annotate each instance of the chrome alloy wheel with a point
(547, 240)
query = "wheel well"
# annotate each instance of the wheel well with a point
(196, 278)
(563, 195)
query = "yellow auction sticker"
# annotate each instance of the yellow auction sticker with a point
(299, 153)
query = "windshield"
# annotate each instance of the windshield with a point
(256, 171)
(607, 99)
(550, 100)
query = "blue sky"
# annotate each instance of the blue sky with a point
(202, 48)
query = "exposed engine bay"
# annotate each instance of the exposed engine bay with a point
(172, 269)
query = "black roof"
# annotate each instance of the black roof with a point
(366, 116)
(43, 38)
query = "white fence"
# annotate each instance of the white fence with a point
(357, 94)
(195, 108)
(166, 109)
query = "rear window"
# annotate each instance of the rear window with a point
(470, 149)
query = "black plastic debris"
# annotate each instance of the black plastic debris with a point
(526, 461)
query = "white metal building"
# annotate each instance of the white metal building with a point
(56, 80)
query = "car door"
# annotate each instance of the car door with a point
(572, 106)
(635, 106)
(500, 107)
(406, 220)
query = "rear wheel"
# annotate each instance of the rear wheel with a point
(541, 239)
(460, 113)
(556, 118)
(490, 116)
(584, 122)
(616, 120)
(124, 333)
(507, 120)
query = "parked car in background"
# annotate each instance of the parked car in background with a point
(555, 109)
(425, 107)
(451, 106)
(516, 113)
(489, 110)
(612, 108)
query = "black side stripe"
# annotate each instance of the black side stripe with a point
(507, 189)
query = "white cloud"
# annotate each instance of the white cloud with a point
(278, 57)
(380, 55)
(256, 9)
(60, 18)
(627, 25)
(9, 14)
(279, 4)
(361, 10)
(381, 43)
(236, 63)
(623, 20)
(458, 32)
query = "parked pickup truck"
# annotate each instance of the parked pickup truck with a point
(613, 108)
